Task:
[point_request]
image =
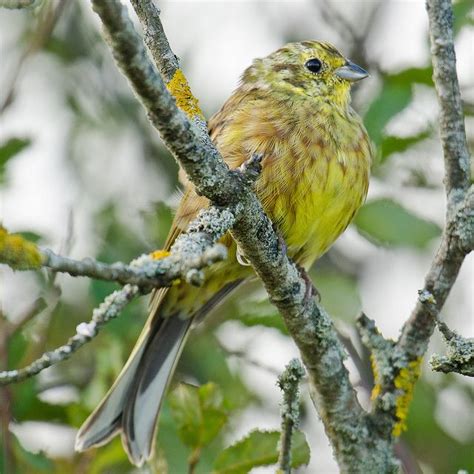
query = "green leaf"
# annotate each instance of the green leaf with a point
(29, 407)
(392, 99)
(205, 359)
(9, 149)
(392, 144)
(198, 412)
(17, 347)
(108, 459)
(414, 75)
(30, 236)
(395, 96)
(12, 147)
(273, 320)
(463, 15)
(260, 448)
(338, 292)
(385, 222)
(157, 221)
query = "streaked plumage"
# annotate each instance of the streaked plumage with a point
(315, 177)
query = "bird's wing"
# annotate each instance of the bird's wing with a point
(191, 203)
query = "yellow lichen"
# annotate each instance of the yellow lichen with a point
(377, 378)
(17, 252)
(159, 254)
(405, 383)
(185, 100)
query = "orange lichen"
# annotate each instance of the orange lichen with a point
(17, 252)
(377, 378)
(185, 100)
(405, 383)
(159, 254)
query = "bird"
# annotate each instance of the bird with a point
(293, 108)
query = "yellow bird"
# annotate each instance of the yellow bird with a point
(293, 107)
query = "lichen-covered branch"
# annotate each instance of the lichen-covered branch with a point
(191, 252)
(395, 391)
(155, 39)
(394, 380)
(451, 119)
(458, 236)
(108, 310)
(17, 252)
(380, 349)
(308, 323)
(456, 242)
(459, 357)
(166, 61)
(289, 382)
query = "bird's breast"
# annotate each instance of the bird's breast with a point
(313, 182)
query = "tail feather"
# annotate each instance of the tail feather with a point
(133, 403)
(139, 419)
(105, 421)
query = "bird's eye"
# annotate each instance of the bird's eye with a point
(314, 65)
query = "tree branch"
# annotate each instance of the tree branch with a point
(458, 236)
(307, 322)
(155, 38)
(289, 382)
(395, 392)
(451, 120)
(460, 355)
(191, 252)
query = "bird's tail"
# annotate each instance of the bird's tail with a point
(132, 405)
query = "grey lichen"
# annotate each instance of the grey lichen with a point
(289, 382)
(109, 309)
(460, 354)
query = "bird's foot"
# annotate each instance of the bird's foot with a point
(310, 290)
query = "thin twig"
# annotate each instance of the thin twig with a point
(145, 271)
(50, 14)
(108, 310)
(190, 253)
(289, 382)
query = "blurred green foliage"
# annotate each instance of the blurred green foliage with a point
(196, 420)
(9, 149)
(385, 222)
(260, 448)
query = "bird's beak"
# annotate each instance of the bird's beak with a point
(351, 72)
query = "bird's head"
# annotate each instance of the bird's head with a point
(308, 68)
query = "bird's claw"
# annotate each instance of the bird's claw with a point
(310, 290)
